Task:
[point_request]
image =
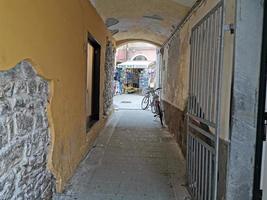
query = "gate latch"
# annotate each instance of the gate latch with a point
(230, 28)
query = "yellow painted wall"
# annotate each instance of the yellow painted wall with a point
(53, 34)
(177, 90)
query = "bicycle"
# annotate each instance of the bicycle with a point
(152, 98)
(146, 101)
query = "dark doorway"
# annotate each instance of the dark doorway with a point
(259, 190)
(92, 82)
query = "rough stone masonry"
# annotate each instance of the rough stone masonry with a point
(109, 73)
(24, 135)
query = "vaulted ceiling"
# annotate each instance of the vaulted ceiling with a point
(149, 20)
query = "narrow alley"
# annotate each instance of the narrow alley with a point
(133, 100)
(133, 158)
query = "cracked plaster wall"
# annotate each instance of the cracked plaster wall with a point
(175, 83)
(176, 59)
(53, 34)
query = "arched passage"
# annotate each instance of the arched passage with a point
(210, 62)
(129, 40)
(135, 71)
(148, 20)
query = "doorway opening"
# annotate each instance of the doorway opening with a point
(260, 172)
(136, 70)
(92, 81)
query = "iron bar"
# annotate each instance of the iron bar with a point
(204, 105)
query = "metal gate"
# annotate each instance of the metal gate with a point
(203, 105)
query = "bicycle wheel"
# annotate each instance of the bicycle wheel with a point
(145, 102)
(153, 108)
(160, 114)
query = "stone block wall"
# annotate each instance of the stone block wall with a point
(109, 73)
(175, 119)
(24, 135)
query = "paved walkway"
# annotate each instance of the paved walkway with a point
(127, 101)
(133, 159)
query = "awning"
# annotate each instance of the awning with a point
(136, 64)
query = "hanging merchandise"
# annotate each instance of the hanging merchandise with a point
(118, 79)
(143, 80)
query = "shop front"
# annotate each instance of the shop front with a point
(134, 76)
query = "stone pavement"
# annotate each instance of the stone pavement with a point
(133, 159)
(127, 101)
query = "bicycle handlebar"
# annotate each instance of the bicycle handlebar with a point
(158, 89)
(151, 90)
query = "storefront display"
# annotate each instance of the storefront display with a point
(134, 76)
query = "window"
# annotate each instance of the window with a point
(140, 58)
(92, 82)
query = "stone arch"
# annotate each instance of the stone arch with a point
(124, 42)
(24, 135)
